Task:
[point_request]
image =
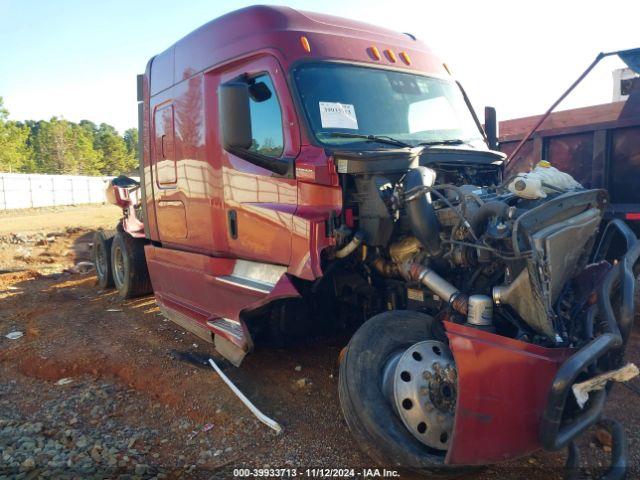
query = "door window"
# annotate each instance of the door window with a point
(266, 117)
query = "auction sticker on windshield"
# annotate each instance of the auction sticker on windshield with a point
(338, 115)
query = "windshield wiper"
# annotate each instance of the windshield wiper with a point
(372, 138)
(454, 141)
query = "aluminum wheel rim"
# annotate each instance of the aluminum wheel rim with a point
(118, 265)
(424, 392)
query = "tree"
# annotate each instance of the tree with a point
(131, 141)
(15, 153)
(117, 160)
(53, 146)
(58, 146)
(89, 161)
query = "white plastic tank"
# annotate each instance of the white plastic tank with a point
(543, 179)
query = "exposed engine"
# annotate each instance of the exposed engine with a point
(454, 240)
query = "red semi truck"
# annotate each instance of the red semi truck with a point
(304, 173)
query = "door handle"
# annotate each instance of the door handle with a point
(232, 218)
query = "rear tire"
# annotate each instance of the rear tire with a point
(129, 266)
(373, 422)
(101, 257)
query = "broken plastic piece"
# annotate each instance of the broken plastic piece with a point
(14, 335)
(581, 390)
(259, 415)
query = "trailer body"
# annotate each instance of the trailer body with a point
(598, 145)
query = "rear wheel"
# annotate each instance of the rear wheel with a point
(101, 257)
(129, 266)
(397, 391)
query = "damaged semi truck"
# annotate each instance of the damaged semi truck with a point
(302, 172)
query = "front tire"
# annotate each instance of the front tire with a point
(129, 266)
(372, 419)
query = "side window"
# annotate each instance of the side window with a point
(266, 117)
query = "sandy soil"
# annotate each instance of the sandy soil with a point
(73, 330)
(53, 219)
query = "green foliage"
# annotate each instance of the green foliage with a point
(131, 141)
(15, 152)
(58, 146)
(117, 159)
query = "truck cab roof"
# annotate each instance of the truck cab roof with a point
(259, 28)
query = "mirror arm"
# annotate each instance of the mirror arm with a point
(473, 112)
(280, 167)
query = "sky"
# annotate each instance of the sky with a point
(78, 59)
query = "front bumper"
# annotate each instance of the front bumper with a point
(512, 396)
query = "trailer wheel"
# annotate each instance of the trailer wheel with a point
(129, 266)
(101, 257)
(371, 393)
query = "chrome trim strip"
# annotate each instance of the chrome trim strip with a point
(244, 283)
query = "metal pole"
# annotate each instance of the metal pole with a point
(261, 416)
(30, 190)
(4, 193)
(556, 103)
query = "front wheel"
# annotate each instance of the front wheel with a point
(129, 266)
(397, 391)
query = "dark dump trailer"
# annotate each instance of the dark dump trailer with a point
(598, 145)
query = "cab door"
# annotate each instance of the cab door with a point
(258, 204)
(170, 209)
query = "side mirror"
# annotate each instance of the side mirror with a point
(235, 124)
(235, 116)
(491, 127)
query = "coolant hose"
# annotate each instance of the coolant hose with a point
(350, 247)
(479, 217)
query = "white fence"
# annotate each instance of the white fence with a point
(18, 190)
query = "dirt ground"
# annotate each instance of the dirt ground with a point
(100, 388)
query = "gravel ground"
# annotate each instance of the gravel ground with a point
(67, 436)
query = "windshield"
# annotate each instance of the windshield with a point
(412, 108)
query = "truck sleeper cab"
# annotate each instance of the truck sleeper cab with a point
(300, 170)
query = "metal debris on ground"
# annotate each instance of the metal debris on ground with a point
(581, 390)
(14, 335)
(204, 429)
(259, 415)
